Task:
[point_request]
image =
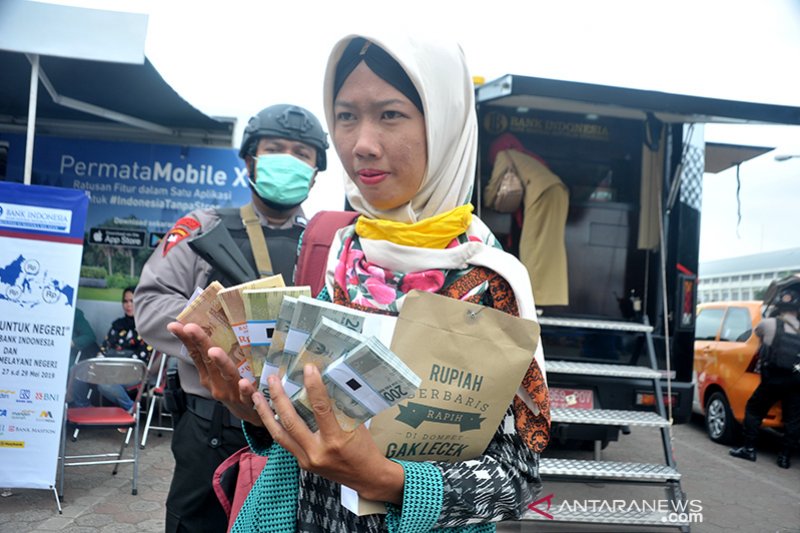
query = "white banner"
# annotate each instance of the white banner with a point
(41, 242)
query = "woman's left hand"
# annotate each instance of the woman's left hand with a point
(347, 457)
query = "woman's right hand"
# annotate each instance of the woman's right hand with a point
(217, 372)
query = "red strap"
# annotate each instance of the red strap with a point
(317, 241)
(246, 466)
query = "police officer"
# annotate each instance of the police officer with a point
(283, 148)
(776, 383)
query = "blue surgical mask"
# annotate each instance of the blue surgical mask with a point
(282, 179)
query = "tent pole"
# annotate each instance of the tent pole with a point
(32, 99)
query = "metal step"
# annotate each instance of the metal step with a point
(601, 515)
(608, 417)
(594, 324)
(598, 369)
(576, 468)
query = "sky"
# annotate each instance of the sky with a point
(236, 57)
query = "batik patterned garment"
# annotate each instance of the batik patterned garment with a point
(122, 340)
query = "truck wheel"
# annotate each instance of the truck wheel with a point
(720, 424)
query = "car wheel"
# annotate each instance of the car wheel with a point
(720, 424)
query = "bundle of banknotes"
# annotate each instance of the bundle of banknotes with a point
(222, 314)
(363, 377)
(270, 329)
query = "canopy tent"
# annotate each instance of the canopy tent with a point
(96, 81)
(721, 156)
(99, 99)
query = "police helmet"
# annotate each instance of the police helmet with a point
(787, 299)
(287, 122)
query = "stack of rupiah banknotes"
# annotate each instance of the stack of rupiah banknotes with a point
(270, 329)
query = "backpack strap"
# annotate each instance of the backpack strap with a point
(316, 244)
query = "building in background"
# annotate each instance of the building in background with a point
(746, 277)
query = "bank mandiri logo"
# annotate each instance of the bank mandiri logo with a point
(682, 512)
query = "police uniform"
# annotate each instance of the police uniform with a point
(207, 433)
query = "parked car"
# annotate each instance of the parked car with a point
(725, 356)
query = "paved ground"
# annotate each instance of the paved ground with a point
(735, 495)
(94, 500)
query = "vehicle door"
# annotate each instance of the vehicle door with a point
(706, 331)
(734, 351)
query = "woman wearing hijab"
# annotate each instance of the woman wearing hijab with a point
(404, 125)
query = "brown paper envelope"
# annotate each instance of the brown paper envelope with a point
(471, 359)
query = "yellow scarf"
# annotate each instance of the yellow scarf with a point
(434, 232)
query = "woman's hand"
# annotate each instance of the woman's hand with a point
(217, 372)
(347, 457)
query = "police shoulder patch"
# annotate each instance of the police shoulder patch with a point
(184, 227)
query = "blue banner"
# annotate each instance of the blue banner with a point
(43, 211)
(137, 186)
(137, 191)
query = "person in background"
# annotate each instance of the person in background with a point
(122, 340)
(777, 384)
(83, 346)
(403, 122)
(84, 341)
(283, 147)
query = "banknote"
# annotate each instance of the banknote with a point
(197, 292)
(262, 309)
(233, 305)
(275, 352)
(365, 381)
(328, 341)
(206, 311)
(308, 313)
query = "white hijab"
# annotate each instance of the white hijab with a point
(439, 72)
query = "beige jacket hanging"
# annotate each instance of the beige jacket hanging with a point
(541, 247)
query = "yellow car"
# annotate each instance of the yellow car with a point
(725, 356)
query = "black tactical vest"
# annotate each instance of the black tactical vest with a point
(281, 243)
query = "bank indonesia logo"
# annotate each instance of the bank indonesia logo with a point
(495, 122)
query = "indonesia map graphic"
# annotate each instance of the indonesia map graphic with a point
(25, 283)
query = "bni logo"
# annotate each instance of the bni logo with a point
(47, 396)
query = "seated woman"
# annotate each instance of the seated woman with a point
(404, 125)
(122, 340)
